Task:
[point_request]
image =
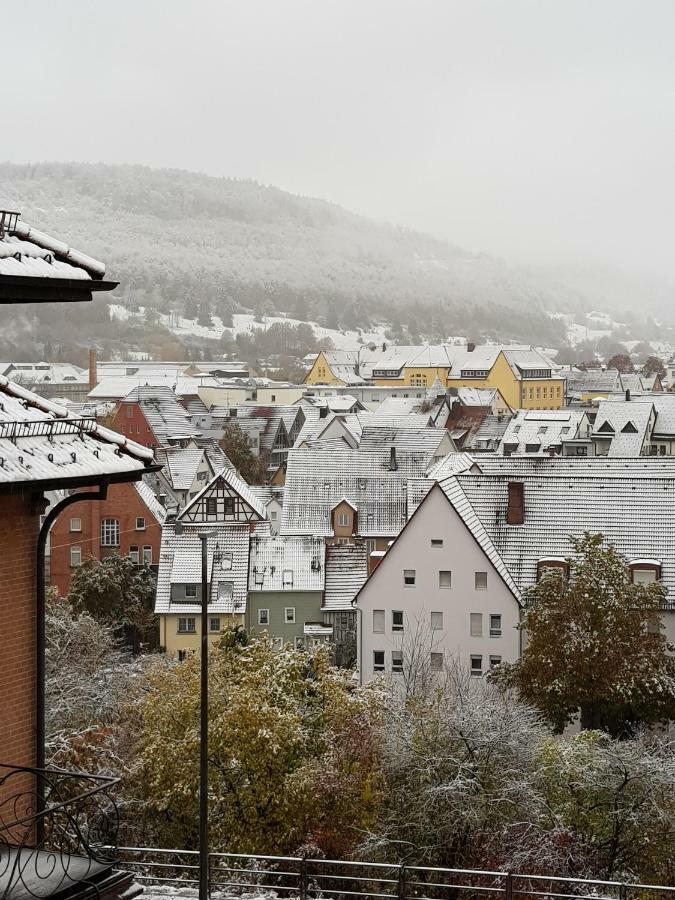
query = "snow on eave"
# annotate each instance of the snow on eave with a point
(93, 266)
(58, 411)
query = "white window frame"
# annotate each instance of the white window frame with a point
(409, 577)
(343, 520)
(476, 672)
(187, 629)
(213, 619)
(277, 643)
(494, 660)
(395, 626)
(299, 642)
(263, 614)
(142, 526)
(291, 610)
(381, 616)
(147, 554)
(397, 661)
(448, 573)
(223, 593)
(379, 667)
(191, 596)
(110, 532)
(75, 524)
(437, 623)
(75, 556)
(480, 587)
(495, 623)
(437, 543)
(436, 661)
(134, 553)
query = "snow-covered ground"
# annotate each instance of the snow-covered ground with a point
(245, 323)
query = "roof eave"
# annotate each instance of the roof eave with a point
(51, 484)
(30, 289)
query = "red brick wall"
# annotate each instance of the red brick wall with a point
(18, 538)
(123, 503)
(134, 425)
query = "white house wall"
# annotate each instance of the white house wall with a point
(436, 519)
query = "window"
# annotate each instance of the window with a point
(344, 519)
(287, 578)
(191, 591)
(186, 626)
(397, 660)
(140, 523)
(299, 642)
(182, 655)
(289, 615)
(378, 660)
(147, 554)
(495, 625)
(477, 666)
(76, 556)
(397, 620)
(495, 661)
(211, 506)
(409, 576)
(263, 617)
(645, 575)
(445, 578)
(273, 515)
(228, 506)
(378, 621)
(480, 581)
(437, 542)
(225, 590)
(110, 533)
(277, 643)
(436, 663)
(437, 621)
(130, 412)
(214, 624)
(76, 524)
(476, 623)
(133, 553)
(201, 476)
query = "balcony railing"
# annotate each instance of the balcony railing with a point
(298, 878)
(58, 833)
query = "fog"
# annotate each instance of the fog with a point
(538, 131)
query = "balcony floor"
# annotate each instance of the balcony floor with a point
(47, 874)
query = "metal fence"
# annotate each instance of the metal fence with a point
(235, 874)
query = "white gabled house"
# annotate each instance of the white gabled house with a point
(440, 586)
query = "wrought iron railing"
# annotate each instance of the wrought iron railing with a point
(232, 875)
(58, 831)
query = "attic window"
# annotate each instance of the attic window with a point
(287, 578)
(645, 571)
(552, 564)
(629, 428)
(228, 506)
(211, 506)
(606, 427)
(542, 429)
(225, 590)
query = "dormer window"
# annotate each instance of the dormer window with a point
(629, 428)
(552, 564)
(645, 571)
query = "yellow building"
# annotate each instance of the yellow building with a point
(338, 367)
(523, 376)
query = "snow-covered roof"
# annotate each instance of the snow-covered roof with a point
(163, 413)
(40, 442)
(286, 563)
(625, 425)
(431, 441)
(231, 480)
(316, 479)
(346, 572)
(181, 465)
(119, 387)
(535, 431)
(149, 498)
(630, 501)
(38, 373)
(180, 563)
(27, 252)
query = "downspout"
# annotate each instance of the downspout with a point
(53, 513)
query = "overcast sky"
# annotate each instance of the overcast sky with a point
(533, 129)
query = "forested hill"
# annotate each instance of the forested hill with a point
(172, 236)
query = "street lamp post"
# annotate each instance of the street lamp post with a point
(204, 726)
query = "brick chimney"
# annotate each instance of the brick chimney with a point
(515, 510)
(93, 372)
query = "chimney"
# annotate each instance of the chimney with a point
(627, 395)
(323, 411)
(470, 347)
(515, 510)
(384, 346)
(375, 558)
(162, 499)
(392, 459)
(93, 373)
